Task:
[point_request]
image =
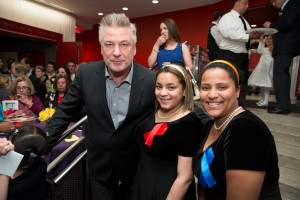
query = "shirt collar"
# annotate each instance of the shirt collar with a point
(283, 5)
(235, 13)
(128, 78)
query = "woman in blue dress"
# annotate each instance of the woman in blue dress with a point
(168, 47)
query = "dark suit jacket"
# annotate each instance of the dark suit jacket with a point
(287, 40)
(40, 89)
(110, 151)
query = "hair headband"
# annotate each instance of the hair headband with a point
(228, 63)
(176, 67)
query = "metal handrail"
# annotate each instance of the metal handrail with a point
(71, 129)
(70, 166)
(65, 153)
(65, 134)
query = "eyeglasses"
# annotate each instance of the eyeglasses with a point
(21, 88)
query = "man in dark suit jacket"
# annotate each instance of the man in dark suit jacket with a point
(286, 46)
(214, 36)
(40, 89)
(118, 94)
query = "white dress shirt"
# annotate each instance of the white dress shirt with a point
(216, 33)
(234, 36)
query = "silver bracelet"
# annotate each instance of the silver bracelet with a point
(155, 50)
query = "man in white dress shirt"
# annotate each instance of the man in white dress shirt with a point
(234, 46)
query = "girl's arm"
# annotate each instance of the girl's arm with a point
(186, 54)
(5, 146)
(244, 184)
(4, 182)
(183, 180)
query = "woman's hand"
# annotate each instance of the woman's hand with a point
(5, 146)
(161, 40)
(7, 127)
(24, 99)
(165, 63)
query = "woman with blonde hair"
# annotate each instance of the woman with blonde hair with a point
(5, 84)
(23, 91)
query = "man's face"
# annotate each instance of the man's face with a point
(71, 67)
(277, 3)
(118, 49)
(23, 61)
(241, 6)
(13, 71)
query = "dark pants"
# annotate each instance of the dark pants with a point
(241, 62)
(282, 80)
(111, 190)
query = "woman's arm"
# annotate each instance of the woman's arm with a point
(37, 105)
(5, 146)
(186, 54)
(4, 182)
(153, 56)
(183, 180)
(244, 184)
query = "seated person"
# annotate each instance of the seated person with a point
(61, 86)
(64, 70)
(40, 73)
(20, 69)
(29, 180)
(23, 91)
(5, 84)
(50, 76)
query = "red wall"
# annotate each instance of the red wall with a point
(193, 25)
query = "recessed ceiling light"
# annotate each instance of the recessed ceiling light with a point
(100, 13)
(253, 25)
(125, 8)
(155, 1)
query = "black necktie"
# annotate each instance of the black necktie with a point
(245, 28)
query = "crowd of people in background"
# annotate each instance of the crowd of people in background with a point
(146, 137)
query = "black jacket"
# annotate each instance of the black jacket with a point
(287, 40)
(111, 152)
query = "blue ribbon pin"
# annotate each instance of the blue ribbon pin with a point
(206, 178)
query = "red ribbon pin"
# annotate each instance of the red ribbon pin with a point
(158, 129)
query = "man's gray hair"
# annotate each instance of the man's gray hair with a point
(117, 20)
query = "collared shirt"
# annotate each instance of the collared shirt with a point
(73, 77)
(216, 33)
(283, 5)
(118, 97)
(234, 35)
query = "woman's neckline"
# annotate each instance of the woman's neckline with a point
(171, 49)
(173, 120)
(210, 127)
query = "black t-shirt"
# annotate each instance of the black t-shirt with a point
(246, 143)
(31, 184)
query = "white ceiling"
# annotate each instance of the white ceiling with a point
(86, 10)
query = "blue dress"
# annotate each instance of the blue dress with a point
(166, 55)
